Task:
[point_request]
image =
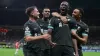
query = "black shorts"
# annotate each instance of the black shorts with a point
(62, 50)
(80, 52)
(32, 52)
(46, 52)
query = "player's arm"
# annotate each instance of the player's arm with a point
(50, 39)
(56, 14)
(85, 35)
(74, 41)
(73, 24)
(33, 38)
(82, 39)
(28, 36)
(63, 18)
(50, 28)
(73, 27)
(75, 45)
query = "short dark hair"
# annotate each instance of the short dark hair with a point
(46, 8)
(81, 11)
(29, 10)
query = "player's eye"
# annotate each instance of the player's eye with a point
(47, 11)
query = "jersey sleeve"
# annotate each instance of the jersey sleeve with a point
(27, 31)
(85, 32)
(72, 24)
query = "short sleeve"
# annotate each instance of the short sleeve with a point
(72, 23)
(27, 31)
(85, 32)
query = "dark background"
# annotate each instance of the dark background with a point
(12, 16)
(12, 11)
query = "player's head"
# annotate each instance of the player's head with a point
(64, 7)
(46, 12)
(32, 12)
(78, 12)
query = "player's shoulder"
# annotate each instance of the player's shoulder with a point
(84, 24)
(52, 19)
(70, 17)
(29, 22)
(39, 20)
(26, 24)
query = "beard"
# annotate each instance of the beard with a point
(75, 16)
(35, 17)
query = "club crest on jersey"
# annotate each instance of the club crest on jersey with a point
(27, 28)
(27, 31)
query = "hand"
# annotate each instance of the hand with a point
(53, 44)
(64, 19)
(76, 54)
(56, 14)
(48, 37)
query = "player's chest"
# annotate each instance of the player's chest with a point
(35, 28)
(59, 23)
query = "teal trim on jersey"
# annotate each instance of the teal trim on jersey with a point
(50, 27)
(27, 33)
(73, 29)
(84, 34)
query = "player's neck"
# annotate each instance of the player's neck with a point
(64, 14)
(78, 19)
(32, 19)
(45, 18)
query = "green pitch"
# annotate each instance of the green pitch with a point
(91, 54)
(10, 52)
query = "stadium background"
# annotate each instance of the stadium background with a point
(12, 18)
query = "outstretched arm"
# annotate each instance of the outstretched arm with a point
(63, 18)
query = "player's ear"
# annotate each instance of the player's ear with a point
(31, 13)
(80, 15)
(42, 12)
